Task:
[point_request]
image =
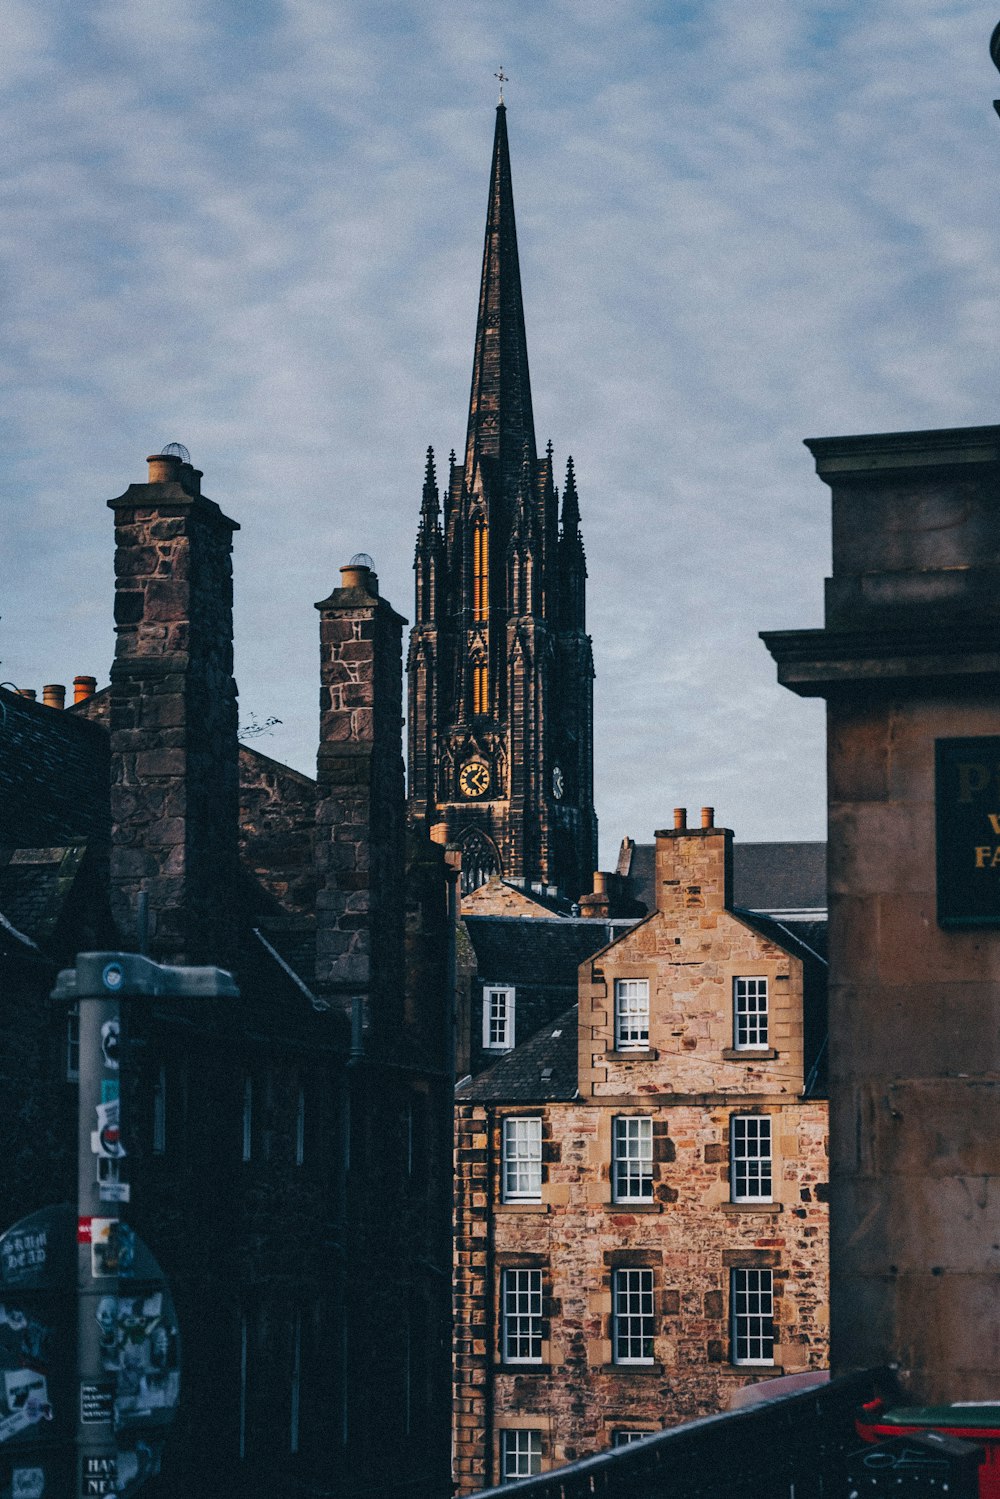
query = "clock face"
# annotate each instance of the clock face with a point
(474, 778)
(558, 783)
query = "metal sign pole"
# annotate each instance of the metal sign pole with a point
(98, 983)
(100, 1162)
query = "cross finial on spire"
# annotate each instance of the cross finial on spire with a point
(504, 78)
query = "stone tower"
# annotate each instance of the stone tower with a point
(500, 667)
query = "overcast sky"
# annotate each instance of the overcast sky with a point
(257, 229)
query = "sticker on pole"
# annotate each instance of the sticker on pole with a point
(42, 1397)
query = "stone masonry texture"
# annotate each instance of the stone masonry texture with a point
(690, 1234)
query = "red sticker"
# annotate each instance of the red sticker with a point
(83, 1230)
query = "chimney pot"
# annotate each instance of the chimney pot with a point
(54, 695)
(708, 817)
(356, 575)
(680, 819)
(28, 692)
(164, 468)
(83, 688)
(600, 882)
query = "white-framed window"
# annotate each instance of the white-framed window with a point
(634, 1322)
(749, 1013)
(73, 1044)
(520, 1454)
(632, 1158)
(498, 1017)
(626, 1438)
(750, 1158)
(247, 1117)
(160, 1110)
(752, 1301)
(631, 1014)
(521, 1293)
(522, 1160)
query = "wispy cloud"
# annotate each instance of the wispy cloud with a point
(259, 233)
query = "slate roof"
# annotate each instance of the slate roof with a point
(544, 952)
(766, 876)
(542, 1069)
(34, 886)
(803, 939)
(54, 776)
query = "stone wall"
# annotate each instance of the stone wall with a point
(174, 778)
(360, 800)
(277, 830)
(690, 1081)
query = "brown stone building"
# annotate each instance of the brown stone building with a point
(290, 1152)
(641, 1186)
(909, 664)
(500, 665)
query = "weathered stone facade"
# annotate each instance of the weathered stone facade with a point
(909, 660)
(313, 1310)
(360, 853)
(500, 666)
(174, 780)
(690, 1081)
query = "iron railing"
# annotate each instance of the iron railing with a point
(794, 1447)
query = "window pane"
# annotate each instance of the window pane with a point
(749, 1012)
(633, 1317)
(522, 1316)
(631, 1014)
(520, 1454)
(750, 1158)
(752, 1293)
(498, 1018)
(633, 1159)
(522, 1160)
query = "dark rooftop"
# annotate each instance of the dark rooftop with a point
(777, 877)
(540, 951)
(541, 1070)
(54, 776)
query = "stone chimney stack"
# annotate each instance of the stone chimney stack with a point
(174, 750)
(694, 866)
(597, 902)
(360, 807)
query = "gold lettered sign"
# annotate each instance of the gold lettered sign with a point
(967, 793)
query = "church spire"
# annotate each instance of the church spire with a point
(501, 423)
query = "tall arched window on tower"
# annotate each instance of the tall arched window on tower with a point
(480, 571)
(480, 688)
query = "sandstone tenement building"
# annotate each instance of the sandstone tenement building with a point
(641, 1222)
(500, 667)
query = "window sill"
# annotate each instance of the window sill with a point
(647, 1054)
(645, 1206)
(522, 1368)
(769, 1369)
(522, 1207)
(749, 1054)
(752, 1207)
(655, 1369)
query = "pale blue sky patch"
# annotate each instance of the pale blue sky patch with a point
(257, 230)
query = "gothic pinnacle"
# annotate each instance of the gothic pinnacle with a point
(571, 503)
